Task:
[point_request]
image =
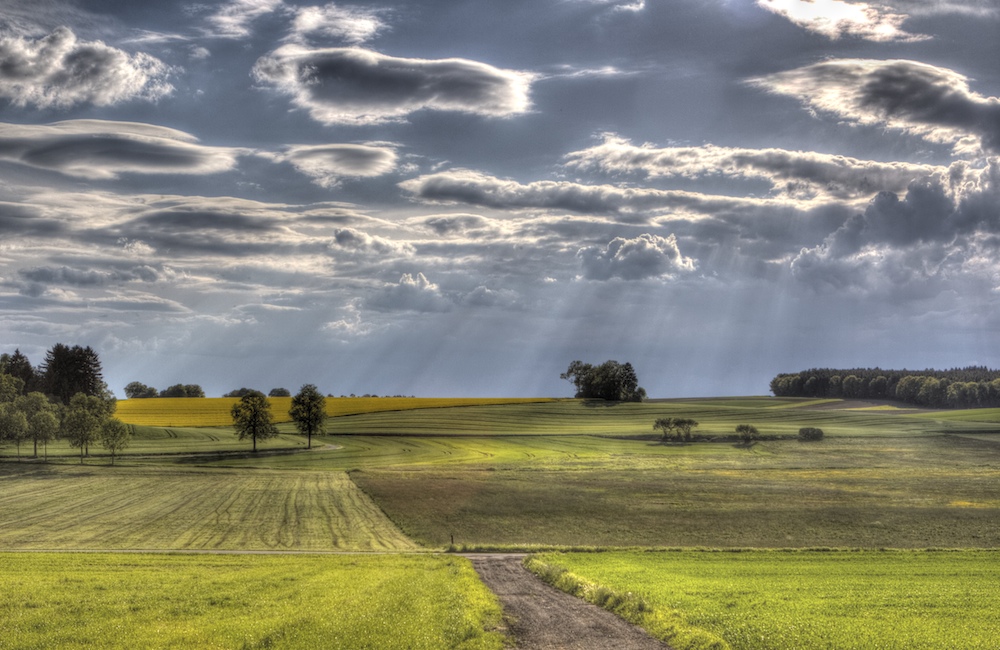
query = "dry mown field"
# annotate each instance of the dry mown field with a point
(100, 507)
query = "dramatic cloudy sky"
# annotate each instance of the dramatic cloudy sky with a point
(460, 198)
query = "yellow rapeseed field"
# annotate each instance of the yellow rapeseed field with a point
(214, 411)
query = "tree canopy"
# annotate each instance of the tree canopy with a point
(252, 418)
(970, 387)
(67, 371)
(309, 412)
(611, 381)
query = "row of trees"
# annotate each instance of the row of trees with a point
(35, 417)
(971, 387)
(139, 390)
(680, 430)
(611, 381)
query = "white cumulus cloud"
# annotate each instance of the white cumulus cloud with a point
(837, 18)
(61, 71)
(643, 257)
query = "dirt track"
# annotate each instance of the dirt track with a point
(543, 618)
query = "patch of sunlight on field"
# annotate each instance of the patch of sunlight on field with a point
(126, 601)
(760, 600)
(214, 411)
(70, 507)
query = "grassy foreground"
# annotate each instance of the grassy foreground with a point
(760, 600)
(209, 601)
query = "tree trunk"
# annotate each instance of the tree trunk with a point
(254, 444)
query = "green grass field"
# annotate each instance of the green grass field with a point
(72, 600)
(905, 600)
(559, 473)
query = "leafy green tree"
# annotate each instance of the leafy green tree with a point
(139, 390)
(611, 381)
(810, 434)
(84, 418)
(32, 404)
(10, 388)
(279, 392)
(242, 392)
(42, 427)
(668, 426)
(252, 418)
(747, 433)
(115, 436)
(685, 426)
(309, 412)
(183, 390)
(13, 425)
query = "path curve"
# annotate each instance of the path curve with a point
(541, 617)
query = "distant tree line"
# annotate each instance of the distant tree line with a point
(971, 387)
(611, 381)
(139, 390)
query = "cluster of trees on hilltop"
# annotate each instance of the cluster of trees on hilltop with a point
(971, 387)
(611, 381)
(65, 395)
(139, 390)
(65, 372)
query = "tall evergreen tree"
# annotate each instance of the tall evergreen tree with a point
(71, 370)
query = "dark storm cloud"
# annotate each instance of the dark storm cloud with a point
(60, 71)
(358, 86)
(100, 149)
(646, 256)
(924, 100)
(17, 219)
(934, 233)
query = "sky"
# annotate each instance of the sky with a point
(459, 198)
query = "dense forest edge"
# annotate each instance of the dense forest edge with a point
(970, 387)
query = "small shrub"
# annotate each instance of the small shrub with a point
(810, 434)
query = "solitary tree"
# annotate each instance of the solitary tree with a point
(810, 434)
(612, 381)
(13, 425)
(279, 392)
(183, 390)
(747, 432)
(252, 418)
(668, 426)
(242, 392)
(115, 436)
(309, 412)
(686, 425)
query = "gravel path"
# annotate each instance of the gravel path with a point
(541, 617)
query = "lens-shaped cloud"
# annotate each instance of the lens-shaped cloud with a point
(99, 149)
(923, 100)
(359, 86)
